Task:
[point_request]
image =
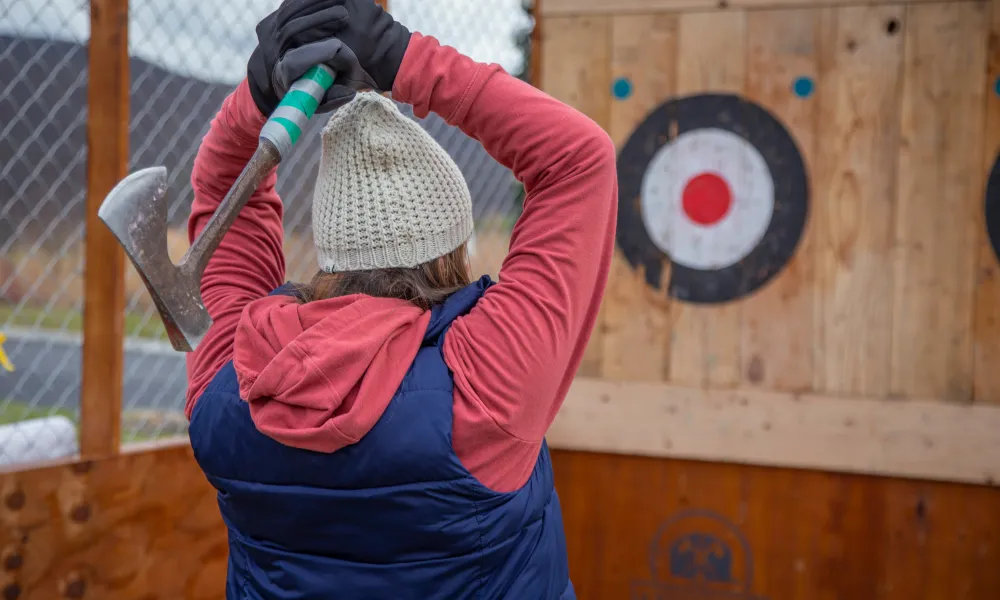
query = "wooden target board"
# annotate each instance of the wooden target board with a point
(715, 184)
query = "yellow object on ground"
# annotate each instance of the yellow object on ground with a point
(4, 361)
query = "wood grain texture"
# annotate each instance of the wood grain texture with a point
(808, 535)
(921, 438)
(104, 277)
(777, 345)
(855, 193)
(141, 525)
(619, 7)
(986, 332)
(939, 200)
(145, 525)
(576, 69)
(705, 340)
(636, 332)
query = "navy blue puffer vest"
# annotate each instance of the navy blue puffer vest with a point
(394, 516)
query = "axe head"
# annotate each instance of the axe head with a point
(136, 213)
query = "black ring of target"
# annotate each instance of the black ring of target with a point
(993, 208)
(757, 126)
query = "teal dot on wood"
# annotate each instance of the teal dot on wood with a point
(622, 88)
(803, 87)
(996, 86)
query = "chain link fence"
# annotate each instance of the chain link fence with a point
(43, 103)
(186, 56)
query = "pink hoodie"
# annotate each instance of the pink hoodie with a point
(318, 376)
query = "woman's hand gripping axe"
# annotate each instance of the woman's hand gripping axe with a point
(136, 212)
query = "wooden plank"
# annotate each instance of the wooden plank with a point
(705, 344)
(137, 525)
(561, 8)
(854, 190)
(576, 69)
(917, 438)
(785, 534)
(636, 333)
(986, 331)
(104, 282)
(778, 320)
(146, 525)
(939, 200)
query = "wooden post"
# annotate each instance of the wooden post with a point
(535, 68)
(104, 282)
(383, 3)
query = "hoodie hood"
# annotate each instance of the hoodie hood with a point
(318, 376)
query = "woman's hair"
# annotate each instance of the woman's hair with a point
(424, 285)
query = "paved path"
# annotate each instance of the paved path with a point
(48, 372)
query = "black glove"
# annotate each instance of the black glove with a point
(293, 39)
(376, 39)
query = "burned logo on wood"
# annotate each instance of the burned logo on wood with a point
(698, 555)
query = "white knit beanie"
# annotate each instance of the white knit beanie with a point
(387, 194)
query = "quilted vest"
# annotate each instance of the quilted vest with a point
(394, 516)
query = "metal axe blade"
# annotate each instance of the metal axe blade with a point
(136, 213)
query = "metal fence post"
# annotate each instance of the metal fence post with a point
(104, 284)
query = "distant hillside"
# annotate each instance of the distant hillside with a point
(43, 134)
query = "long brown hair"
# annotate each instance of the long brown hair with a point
(424, 285)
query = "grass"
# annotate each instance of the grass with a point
(63, 319)
(13, 411)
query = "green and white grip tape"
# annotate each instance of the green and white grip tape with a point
(285, 126)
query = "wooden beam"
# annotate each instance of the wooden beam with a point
(905, 438)
(104, 283)
(564, 8)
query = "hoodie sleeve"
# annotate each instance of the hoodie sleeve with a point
(514, 355)
(249, 263)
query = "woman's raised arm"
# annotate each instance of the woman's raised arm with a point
(513, 357)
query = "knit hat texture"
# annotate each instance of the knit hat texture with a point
(387, 194)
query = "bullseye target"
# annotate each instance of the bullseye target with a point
(713, 186)
(993, 208)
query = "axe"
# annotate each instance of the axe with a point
(136, 213)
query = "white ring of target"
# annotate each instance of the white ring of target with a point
(720, 244)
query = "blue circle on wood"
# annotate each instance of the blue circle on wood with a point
(803, 87)
(996, 86)
(622, 88)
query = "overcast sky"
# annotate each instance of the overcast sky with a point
(211, 39)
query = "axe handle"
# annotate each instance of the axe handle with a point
(279, 134)
(263, 161)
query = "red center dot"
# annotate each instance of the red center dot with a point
(707, 199)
